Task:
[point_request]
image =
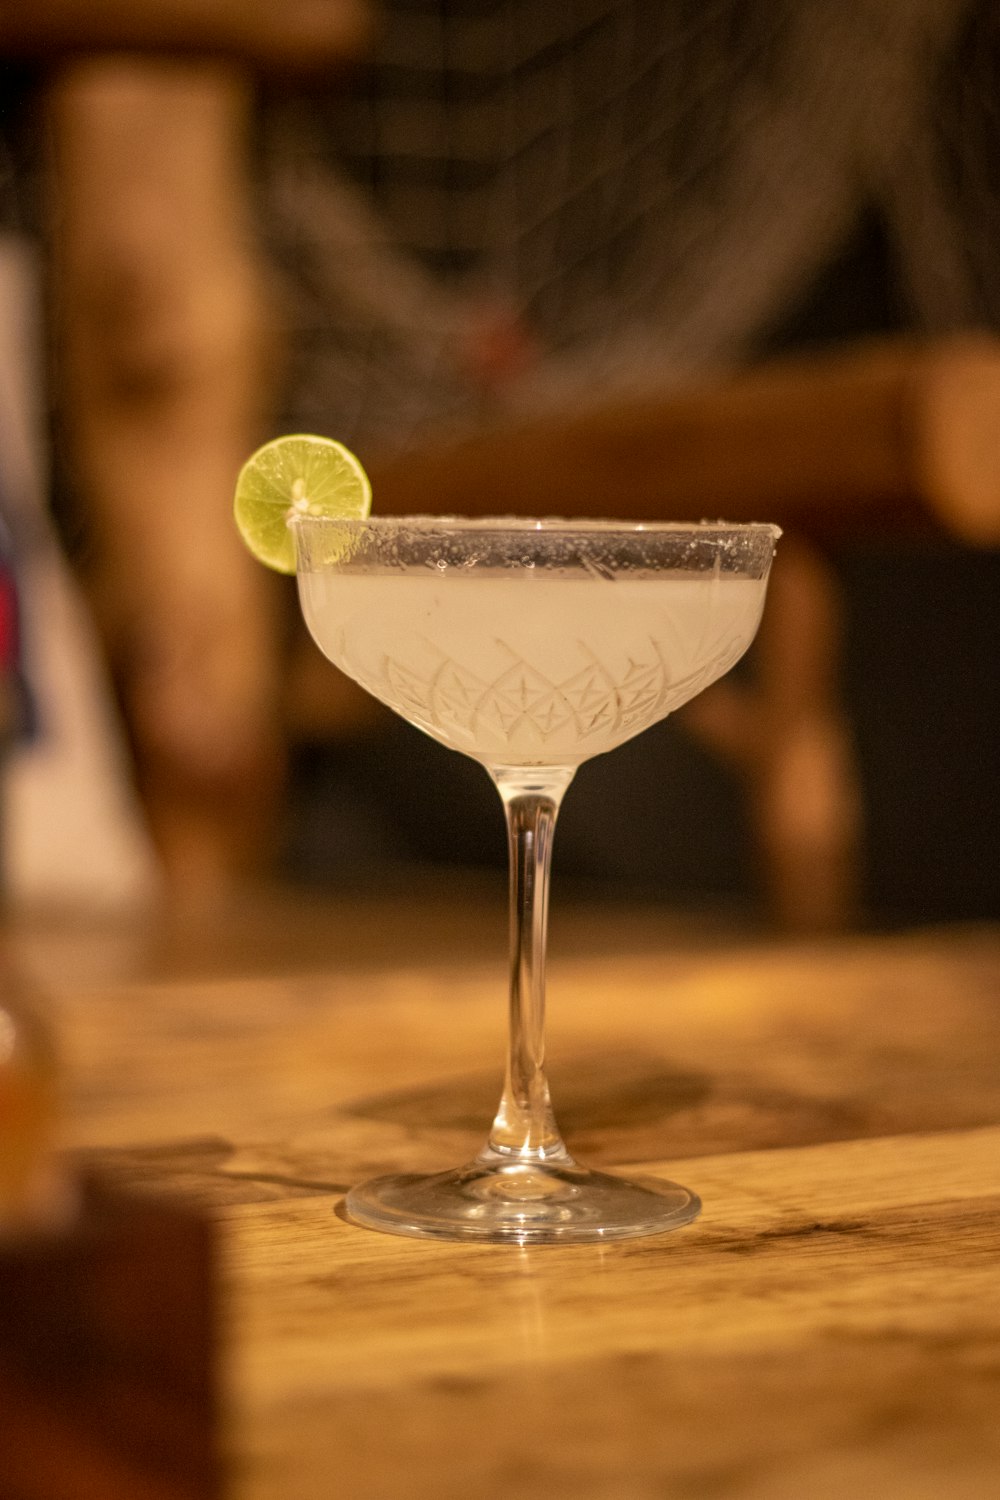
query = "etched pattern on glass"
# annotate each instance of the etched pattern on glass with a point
(521, 703)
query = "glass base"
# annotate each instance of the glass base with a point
(521, 1203)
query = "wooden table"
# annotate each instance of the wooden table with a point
(827, 1328)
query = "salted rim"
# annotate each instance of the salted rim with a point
(529, 523)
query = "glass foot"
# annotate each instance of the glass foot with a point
(523, 1203)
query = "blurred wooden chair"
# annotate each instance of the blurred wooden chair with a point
(887, 440)
(166, 351)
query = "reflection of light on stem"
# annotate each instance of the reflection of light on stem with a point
(539, 1272)
(531, 1310)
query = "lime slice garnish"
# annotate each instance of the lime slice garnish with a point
(313, 476)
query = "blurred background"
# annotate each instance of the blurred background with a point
(676, 260)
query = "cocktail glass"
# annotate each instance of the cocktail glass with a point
(529, 645)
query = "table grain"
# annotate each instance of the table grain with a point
(828, 1326)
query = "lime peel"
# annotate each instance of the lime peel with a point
(300, 474)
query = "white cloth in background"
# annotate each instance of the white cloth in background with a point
(72, 832)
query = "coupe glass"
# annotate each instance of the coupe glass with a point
(529, 645)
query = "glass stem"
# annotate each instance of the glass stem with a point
(525, 1126)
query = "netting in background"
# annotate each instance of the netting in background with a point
(642, 190)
